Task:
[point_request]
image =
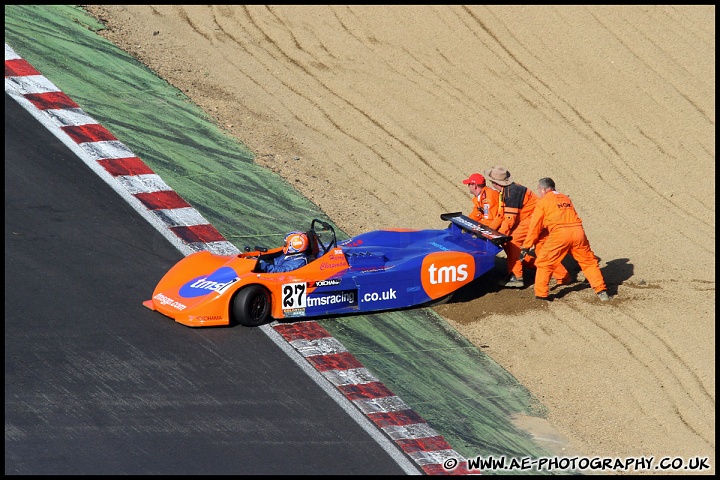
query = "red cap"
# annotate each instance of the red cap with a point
(475, 178)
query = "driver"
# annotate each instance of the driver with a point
(294, 254)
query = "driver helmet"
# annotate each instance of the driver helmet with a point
(295, 242)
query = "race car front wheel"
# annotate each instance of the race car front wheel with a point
(251, 306)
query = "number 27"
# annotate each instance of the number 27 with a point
(294, 295)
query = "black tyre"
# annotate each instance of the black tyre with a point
(251, 306)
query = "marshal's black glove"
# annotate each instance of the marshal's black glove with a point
(525, 252)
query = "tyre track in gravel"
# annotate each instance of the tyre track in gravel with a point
(283, 52)
(596, 135)
(654, 355)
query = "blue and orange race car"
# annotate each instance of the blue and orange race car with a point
(374, 271)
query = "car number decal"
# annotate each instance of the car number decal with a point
(294, 295)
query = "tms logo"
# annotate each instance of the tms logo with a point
(448, 274)
(218, 281)
(445, 272)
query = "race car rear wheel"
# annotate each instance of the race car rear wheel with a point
(251, 306)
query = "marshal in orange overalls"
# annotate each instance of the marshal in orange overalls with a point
(485, 206)
(515, 206)
(556, 213)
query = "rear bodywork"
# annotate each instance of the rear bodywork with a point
(373, 271)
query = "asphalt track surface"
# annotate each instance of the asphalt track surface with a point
(98, 384)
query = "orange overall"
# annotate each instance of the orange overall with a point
(561, 275)
(515, 207)
(485, 206)
(556, 213)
